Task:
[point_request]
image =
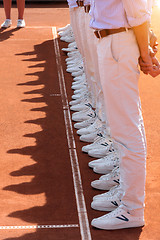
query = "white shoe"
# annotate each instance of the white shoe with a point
(83, 115)
(85, 98)
(106, 167)
(91, 137)
(64, 28)
(69, 49)
(111, 156)
(118, 219)
(97, 124)
(7, 23)
(113, 191)
(81, 107)
(74, 54)
(107, 181)
(68, 39)
(21, 23)
(75, 69)
(76, 74)
(80, 77)
(72, 44)
(79, 91)
(79, 96)
(100, 153)
(65, 33)
(79, 86)
(86, 123)
(100, 143)
(107, 203)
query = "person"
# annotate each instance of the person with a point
(7, 7)
(122, 28)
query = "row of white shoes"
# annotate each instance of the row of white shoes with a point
(8, 22)
(93, 131)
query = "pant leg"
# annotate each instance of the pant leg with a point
(118, 60)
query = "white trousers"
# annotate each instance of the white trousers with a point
(94, 71)
(118, 64)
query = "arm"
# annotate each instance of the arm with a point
(142, 36)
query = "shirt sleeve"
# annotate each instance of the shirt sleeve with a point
(137, 11)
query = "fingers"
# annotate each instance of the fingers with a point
(155, 62)
(145, 67)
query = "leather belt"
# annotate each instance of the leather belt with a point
(80, 3)
(105, 32)
(87, 8)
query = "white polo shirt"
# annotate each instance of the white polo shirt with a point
(111, 14)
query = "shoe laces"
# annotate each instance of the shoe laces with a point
(115, 173)
(115, 213)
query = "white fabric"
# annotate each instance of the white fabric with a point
(72, 3)
(87, 2)
(93, 59)
(118, 64)
(112, 14)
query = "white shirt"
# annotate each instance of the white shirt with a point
(72, 3)
(110, 14)
(87, 2)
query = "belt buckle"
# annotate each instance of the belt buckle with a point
(99, 35)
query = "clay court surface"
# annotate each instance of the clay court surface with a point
(41, 169)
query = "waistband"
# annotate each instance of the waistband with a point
(80, 3)
(105, 32)
(87, 8)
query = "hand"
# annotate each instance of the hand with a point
(146, 68)
(153, 42)
(155, 71)
(145, 63)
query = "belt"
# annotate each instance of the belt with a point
(105, 32)
(87, 8)
(80, 3)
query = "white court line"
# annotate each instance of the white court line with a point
(81, 205)
(15, 27)
(39, 226)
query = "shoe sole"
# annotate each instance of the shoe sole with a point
(121, 226)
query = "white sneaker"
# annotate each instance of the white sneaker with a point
(92, 128)
(107, 203)
(75, 69)
(72, 44)
(69, 49)
(74, 54)
(80, 77)
(67, 32)
(100, 143)
(80, 91)
(100, 153)
(86, 123)
(85, 98)
(83, 115)
(21, 23)
(74, 62)
(118, 219)
(80, 107)
(106, 167)
(111, 156)
(106, 182)
(76, 74)
(64, 28)
(7, 23)
(79, 86)
(91, 137)
(113, 191)
(68, 39)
